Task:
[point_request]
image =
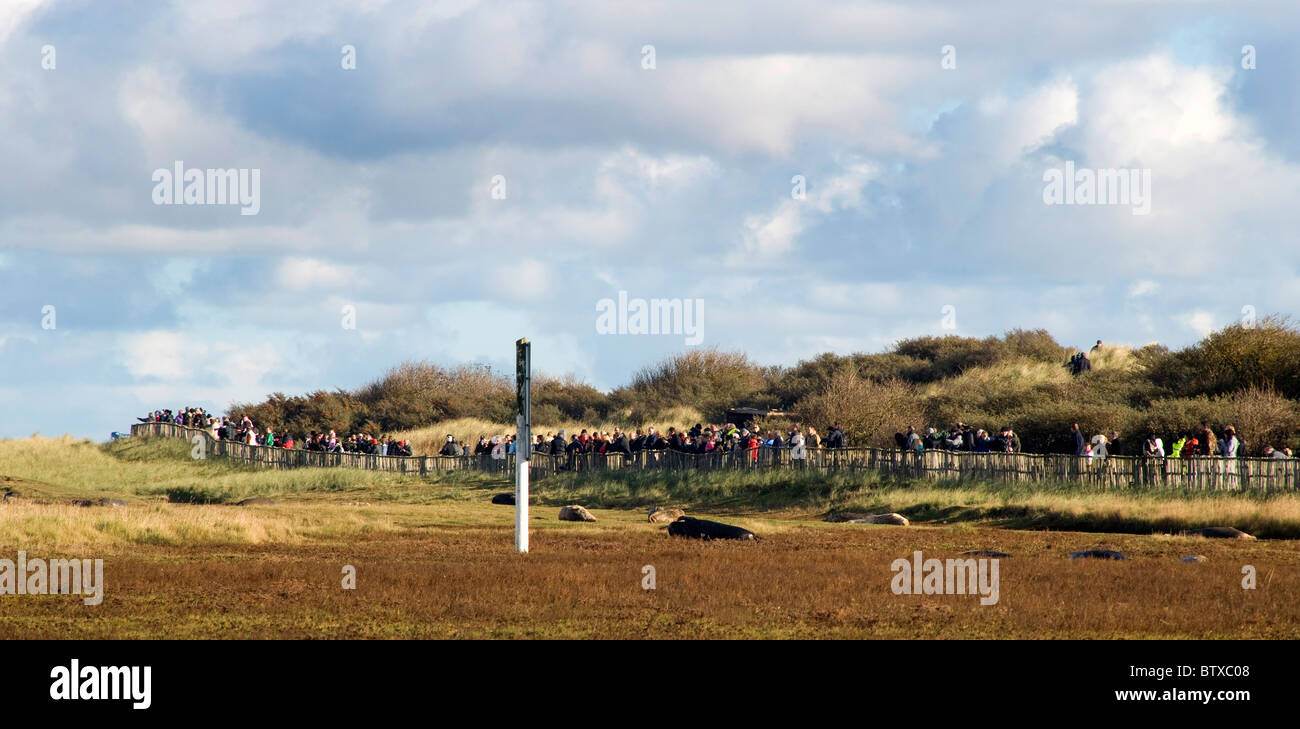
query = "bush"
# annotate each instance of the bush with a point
(1045, 427)
(418, 393)
(950, 355)
(566, 398)
(1236, 357)
(869, 412)
(1261, 417)
(1171, 418)
(1036, 344)
(320, 410)
(704, 379)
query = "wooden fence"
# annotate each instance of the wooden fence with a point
(1201, 473)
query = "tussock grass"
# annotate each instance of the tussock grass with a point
(1021, 375)
(58, 527)
(136, 469)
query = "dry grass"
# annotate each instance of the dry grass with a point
(144, 470)
(1018, 376)
(1024, 375)
(584, 581)
(1114, 357)
(59, 527)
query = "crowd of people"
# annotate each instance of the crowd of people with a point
(244, 431)
(728, 437)
(960, 437)
(1199, 442)
(699, 439)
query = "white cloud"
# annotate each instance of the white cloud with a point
(1145, 287)
(1026, 123)
(301, 274)
(245, 366)
(13, 13)
(161, 354)
(522, 280)
(766, 103)
(772, 235)
(876, 297)
(1199, 321)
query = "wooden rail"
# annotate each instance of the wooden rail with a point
(1200, 473)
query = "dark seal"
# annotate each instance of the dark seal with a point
(694, 528)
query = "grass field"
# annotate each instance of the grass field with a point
(435, 559)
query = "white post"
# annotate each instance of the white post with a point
(523, 440)
(521, 495)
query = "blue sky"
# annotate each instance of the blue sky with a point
(924, 184)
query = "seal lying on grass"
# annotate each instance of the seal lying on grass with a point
(256, 501)
(1222, 532)
(891, 518)
(1098, 554)
(703, 529)
(658, 514)
(98, 502)
(573, 512)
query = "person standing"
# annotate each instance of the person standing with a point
(835, 437)
(1080, 446)
(1099, 443)
(1228, 446)
(620, 444)
(1208, 441)
(798, 449)
(913, 440)
(1176, 448)
(449, 448)
(1154, 447)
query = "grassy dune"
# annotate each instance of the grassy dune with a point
(1024, 374)
(147, 469)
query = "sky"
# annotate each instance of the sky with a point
(438, 179)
